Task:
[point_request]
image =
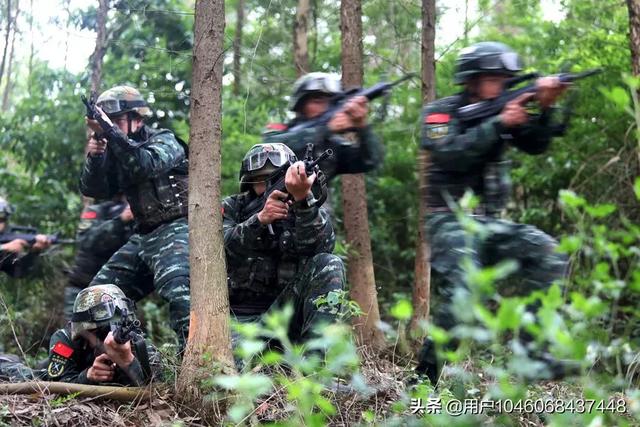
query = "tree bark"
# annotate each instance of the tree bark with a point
(6, 40)
(421, 286)
(209, 323)
(101, 45)
(634, 34)
(237, 46)
(300, 43)
(7, 87)
(360, 270)
(31, 47)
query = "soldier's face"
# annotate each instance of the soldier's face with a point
(3, 225)
(260, 185)
(315, 106)
(123, 123)
(490, 86)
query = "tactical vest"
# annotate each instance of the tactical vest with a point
(488, 179)
(163, 197)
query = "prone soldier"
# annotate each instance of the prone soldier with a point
(150, 166)
(470, 155)
(87, 351)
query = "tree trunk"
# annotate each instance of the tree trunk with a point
(300, 45)
(209, 336)
(101, 45)
(32, 47)
(237, 46)
(124, 394)
(356, 223)
(7, 87)
(6, 40)
(634, 34)
(421, 287)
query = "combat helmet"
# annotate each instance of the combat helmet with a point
(123, 99)
(486, 57)
(5, 209)
(262, 160)
(98, 306)
(313, 84)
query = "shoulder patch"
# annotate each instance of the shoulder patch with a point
(56, 366)
(437, 118)
(62, 349)
(278, 127)
(89, 215)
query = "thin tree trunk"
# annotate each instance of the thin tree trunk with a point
(67, 8)
(124, 394)
(7, 86)
(32, 47)
(209, 325)
(101, 45)
(421, 286)
(237, 46)
(360, 270)
(6, 40)
(634, 34)
(300, 43)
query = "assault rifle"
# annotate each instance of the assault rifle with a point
(276, 182)
(127, 329)
(339, 100)
(93, 113)
(492, 107)
(28, 234)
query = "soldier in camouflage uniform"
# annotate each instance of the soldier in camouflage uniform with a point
(86, 351)
(292, 265)
(104, 227)
(16, 256)
(471, 156)
(150, 166)
(312, 94)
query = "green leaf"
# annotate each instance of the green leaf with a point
(600, 211)
(402, 310)
(570, 244)
(636, 188)
(510, 314)
(571, 199)
(618, 96)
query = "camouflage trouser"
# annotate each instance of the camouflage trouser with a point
(159, 261)
(318, 276)
(533, 250)
(12, 370)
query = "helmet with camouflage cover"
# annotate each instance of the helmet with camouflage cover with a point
(263, 160)
(313, 84)
(486, 57)
(123, 99)
(5, 209)
(98, 306)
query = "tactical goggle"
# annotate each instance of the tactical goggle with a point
(113, 106)
(102, 311)
(325, 85)
(258, 160)
(509, 61)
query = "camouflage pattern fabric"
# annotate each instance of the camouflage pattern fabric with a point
(158, 261)
(151, 169)
(293, 266)
(70, 360)
(348, 158)
(100, 233)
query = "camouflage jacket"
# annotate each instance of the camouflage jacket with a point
(70, 360)
(259, 264)
(150, 168)
(100, 233)
(472, 156)
(348, 157)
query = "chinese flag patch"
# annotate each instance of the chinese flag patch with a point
(437, 118)
(89, 215)
(276, 126)
(62, 349)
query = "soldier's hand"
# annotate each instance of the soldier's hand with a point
(514, 113)
(297, 182)
(42, 242)
(120, 354)
(549, 90)
(15, 246)
(126, 215)
(94, 125)
(353, 115)
(274, 209)
(96, 147)
(102, 370)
